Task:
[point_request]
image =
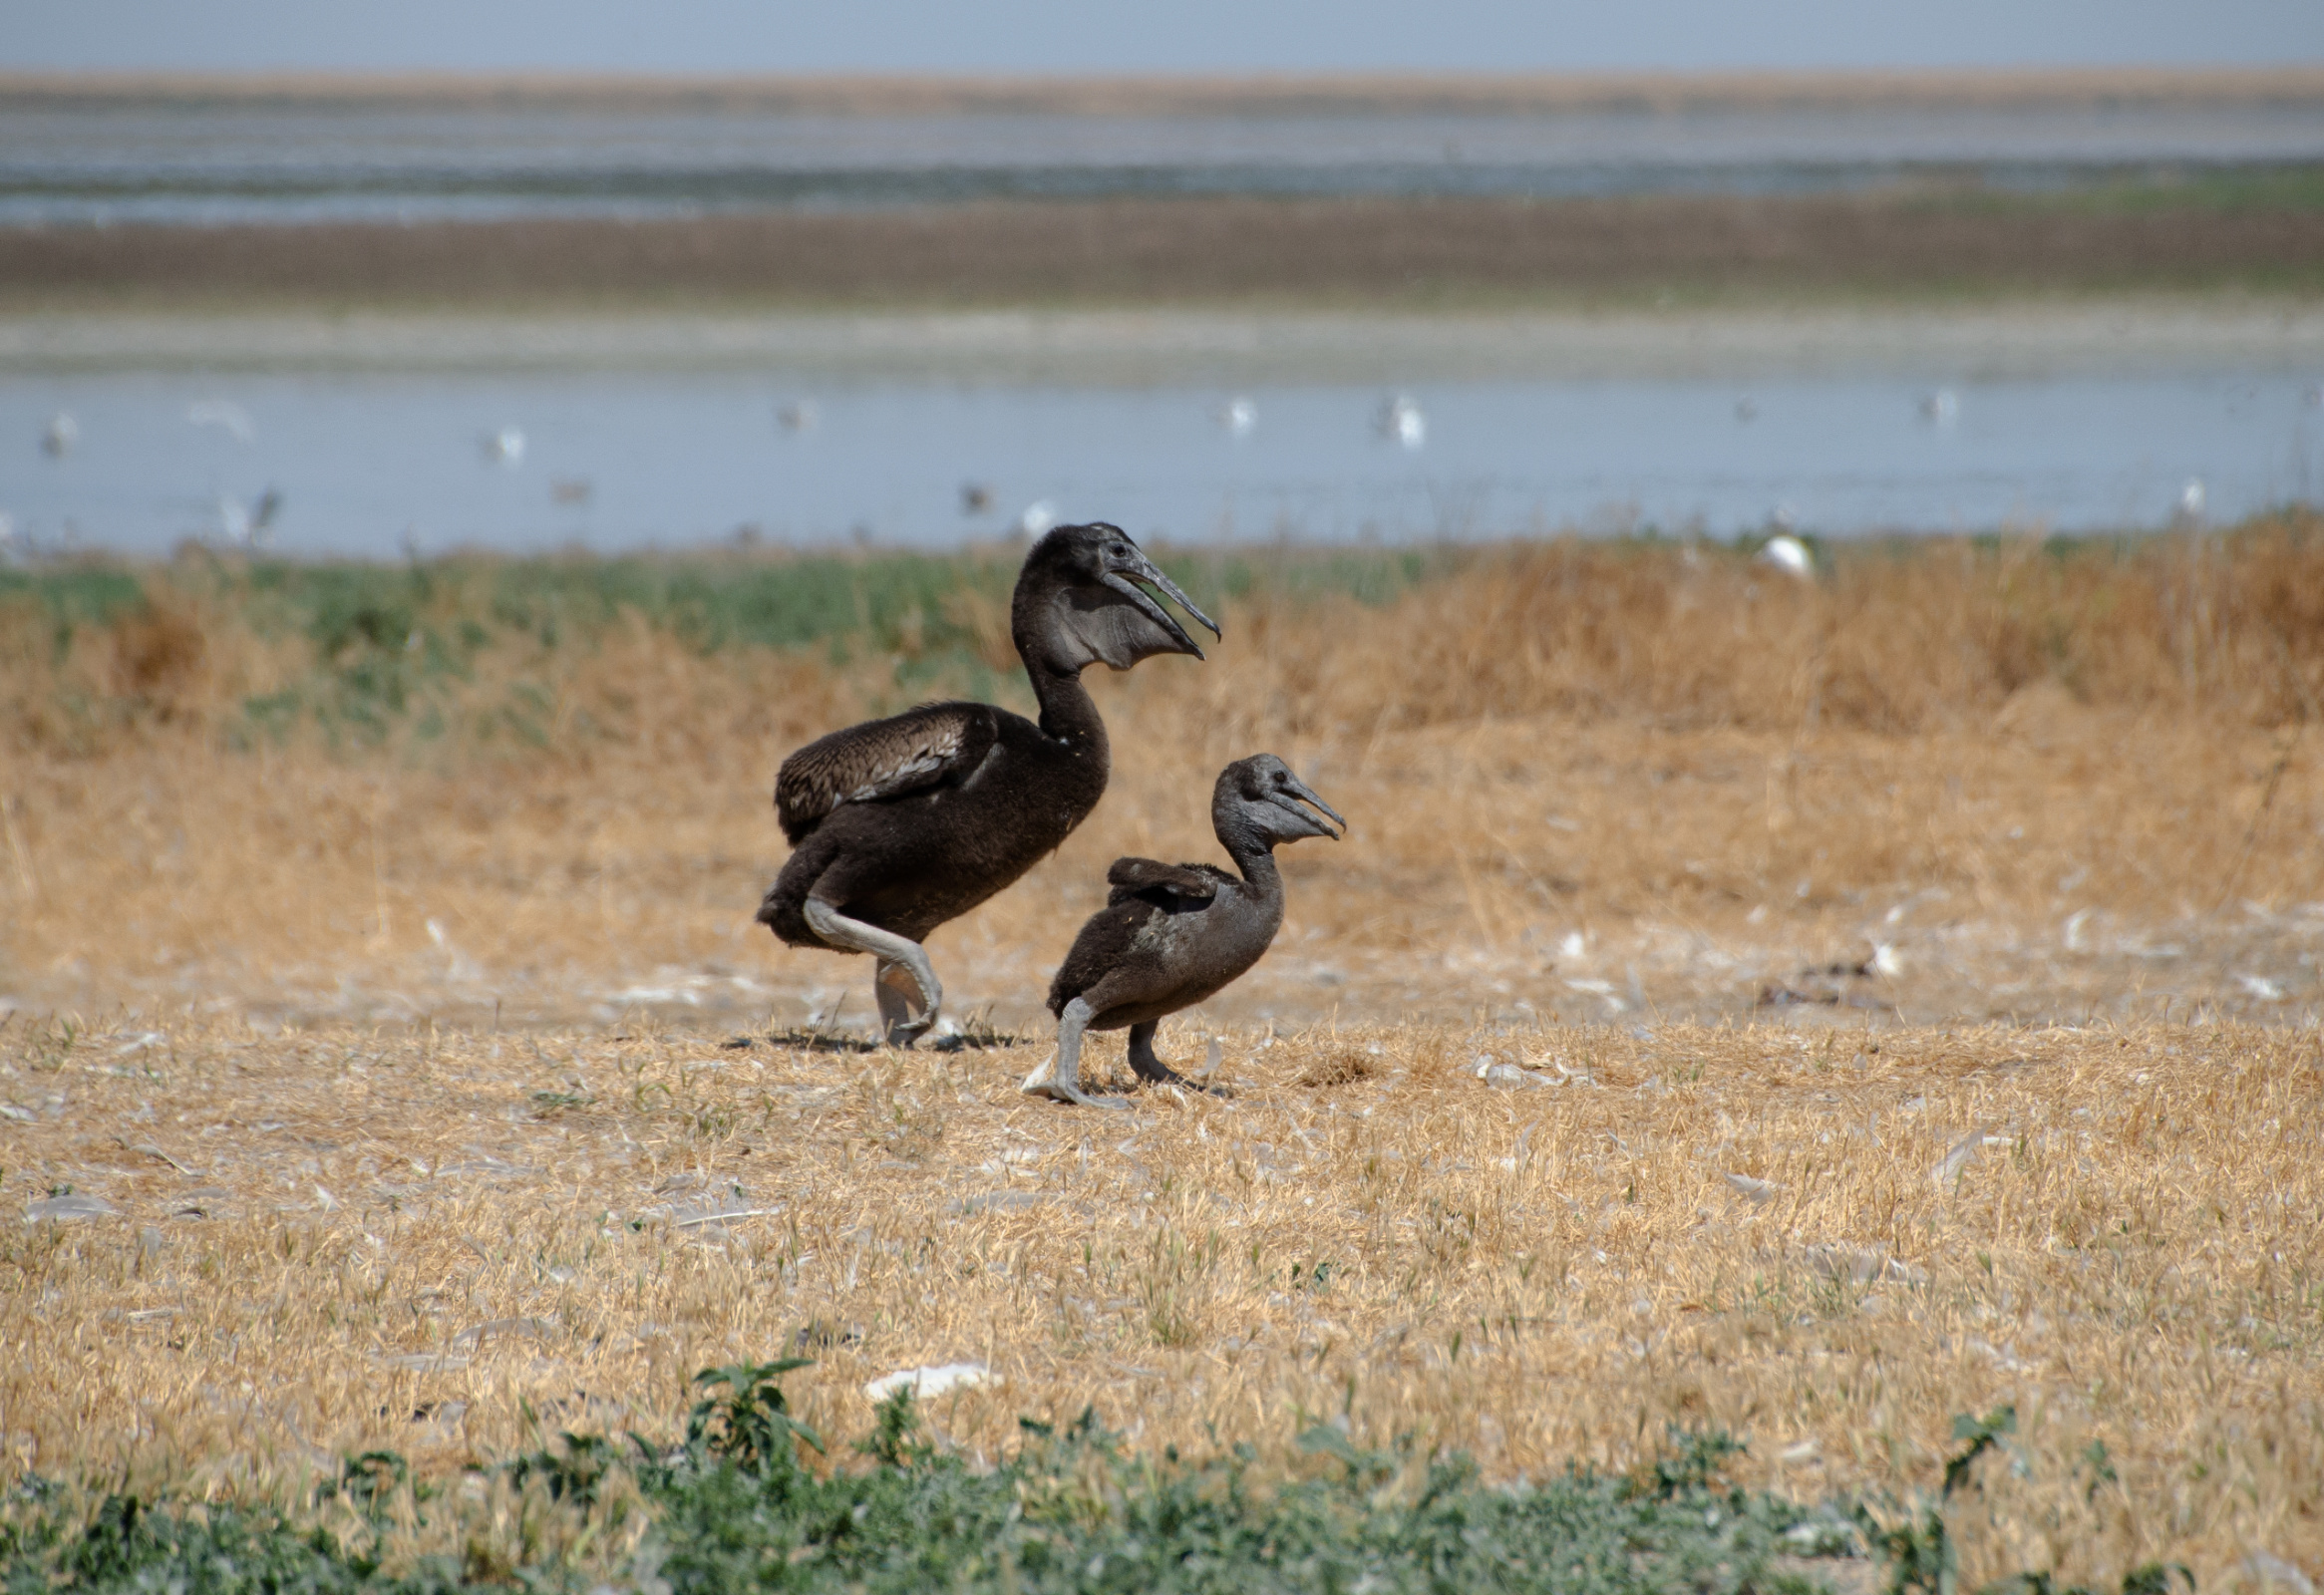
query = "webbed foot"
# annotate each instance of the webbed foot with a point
(1057, 1091)
(1154, 1071)
(907, 1010)
(1058, 1076)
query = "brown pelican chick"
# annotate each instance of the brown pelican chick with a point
(899, 825)
(1171, 935)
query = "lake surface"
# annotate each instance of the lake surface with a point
(303, 163)
(379, 463)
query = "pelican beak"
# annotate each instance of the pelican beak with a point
(1139, 569)
(1296, 792)
(1145, 606)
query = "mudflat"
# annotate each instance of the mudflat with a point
(1407, 252)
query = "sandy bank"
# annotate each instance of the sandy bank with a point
(2013, 341)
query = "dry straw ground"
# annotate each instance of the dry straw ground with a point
(1598, 782)
(1828, 1244)
(1657, 787)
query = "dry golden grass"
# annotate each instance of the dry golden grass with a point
(1656, 787)
(333, 1239)
(1649, 784)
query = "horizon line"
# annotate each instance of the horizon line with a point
(1151, 94)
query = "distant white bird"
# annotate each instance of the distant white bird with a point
(1941, 408)
(799, 415)
(1789, 555)
(223, 414)
(1401, 421)
(58, 437)
(2192, 499)
(249, 525)
(1239, 416)
(506, 447)
(1038, 517)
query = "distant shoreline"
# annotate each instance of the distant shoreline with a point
(1164, 96)
(2009, 341)
(1403, 254)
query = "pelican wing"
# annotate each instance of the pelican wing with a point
(881, 759)
(1144, 877)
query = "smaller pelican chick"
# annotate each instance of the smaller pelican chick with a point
(1171, 935)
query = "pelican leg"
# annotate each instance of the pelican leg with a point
(1150, 1069)
(898, 991)
(900, 961)
(1059, 1077)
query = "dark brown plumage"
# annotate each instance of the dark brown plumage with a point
(881, 758)
(903, 823)
(1171, 935)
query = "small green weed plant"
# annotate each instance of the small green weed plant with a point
(736, 1507)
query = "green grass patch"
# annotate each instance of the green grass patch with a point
(2290, 188)
(388, 647)
(710, 600)
(732, 1508)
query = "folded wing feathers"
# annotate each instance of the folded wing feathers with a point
(926, 761)
(876, 760)
(1135, 877)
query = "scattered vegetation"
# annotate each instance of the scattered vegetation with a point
(477, 651)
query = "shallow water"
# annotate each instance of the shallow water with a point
(379, 464)
(289, 163)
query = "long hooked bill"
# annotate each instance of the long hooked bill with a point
(1301, 790)
(1147, 571)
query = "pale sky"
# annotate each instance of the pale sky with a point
(1159, 36)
